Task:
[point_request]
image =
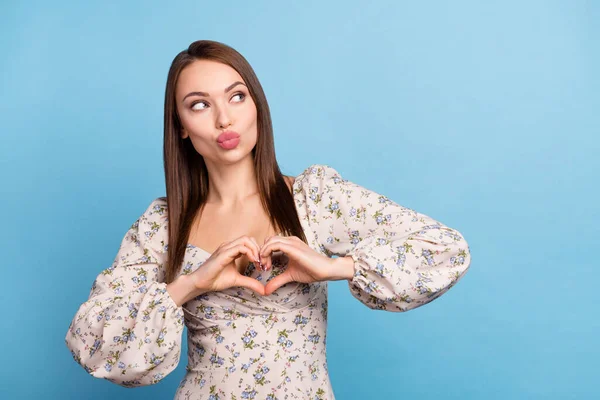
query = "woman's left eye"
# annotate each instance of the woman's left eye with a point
(243, 96)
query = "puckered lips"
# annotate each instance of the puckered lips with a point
(228, 139)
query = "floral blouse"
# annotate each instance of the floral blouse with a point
(245, 346)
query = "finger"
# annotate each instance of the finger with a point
(280, 245)
(245, 240)
(256, 250)
(277, 237)
(269, 238)
(268, 241)
(264, 257)
(250, 283)
(233, 253)
(250, 243)
(277, 282)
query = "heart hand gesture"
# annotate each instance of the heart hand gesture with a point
(305, 264)
(220, 271)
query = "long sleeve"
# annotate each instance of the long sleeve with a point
(402, 259)
(129, 331)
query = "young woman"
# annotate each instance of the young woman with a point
(242, 254)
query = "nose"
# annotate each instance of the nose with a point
(223, 118)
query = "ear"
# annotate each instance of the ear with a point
(184, 134)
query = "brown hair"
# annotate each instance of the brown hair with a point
(186, 176)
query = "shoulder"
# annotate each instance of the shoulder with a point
(152, 224)
(157, 209)
(318, 174)
(289, 180)
(318, 182)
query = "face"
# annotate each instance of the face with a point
(212, 98)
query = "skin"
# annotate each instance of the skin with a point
(232, 186)
(232, 178)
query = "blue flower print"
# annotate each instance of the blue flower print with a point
(242, 345)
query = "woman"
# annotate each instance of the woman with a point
(242, 255)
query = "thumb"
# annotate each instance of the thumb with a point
(250, 283)
(278, 282)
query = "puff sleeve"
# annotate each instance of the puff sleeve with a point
(129, 331)
(402, 259)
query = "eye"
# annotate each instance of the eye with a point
(193, 106)
(242, 95)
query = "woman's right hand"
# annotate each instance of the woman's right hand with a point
(220, 271)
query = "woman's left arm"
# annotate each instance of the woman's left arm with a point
(402, 259)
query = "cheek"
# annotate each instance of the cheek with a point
(253, 127)
(196, 126)
(251, 116)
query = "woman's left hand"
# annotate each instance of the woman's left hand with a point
(305, 264)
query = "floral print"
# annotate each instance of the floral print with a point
(245, 346)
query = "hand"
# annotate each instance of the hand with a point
(304, 265)
(220, 272)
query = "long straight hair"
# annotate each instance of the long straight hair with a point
(186, 176)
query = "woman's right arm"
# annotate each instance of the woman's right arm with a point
(129, 331)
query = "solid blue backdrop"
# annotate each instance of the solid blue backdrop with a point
(483, 116)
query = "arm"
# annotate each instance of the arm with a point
(401, 259)
(129, 330)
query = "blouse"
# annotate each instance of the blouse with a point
(245, 346)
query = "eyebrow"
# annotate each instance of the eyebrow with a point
(227, 89)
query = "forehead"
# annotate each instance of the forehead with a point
(207, 76)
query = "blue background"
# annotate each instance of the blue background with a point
(483, 116)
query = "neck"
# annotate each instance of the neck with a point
(231, 184)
